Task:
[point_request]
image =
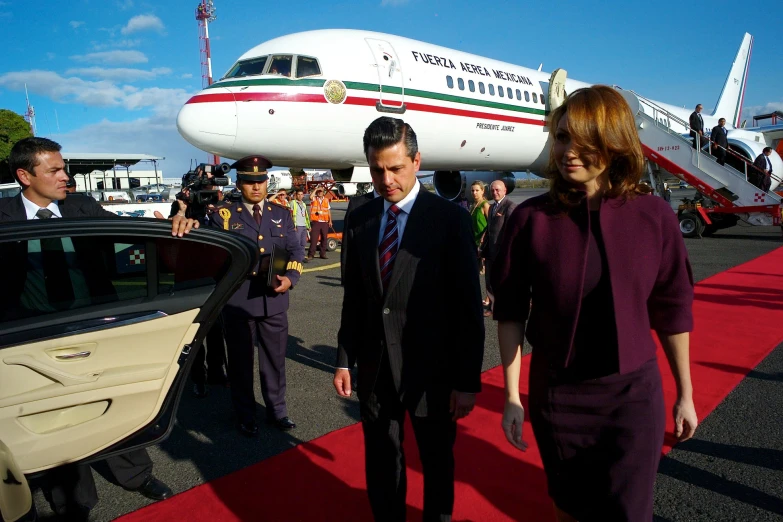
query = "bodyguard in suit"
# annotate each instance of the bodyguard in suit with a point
(697, 125)
(501, 208)
(763, 176)
(411, 321)
(257, 315)
(38, 167)
(353, 204)
(719, 137)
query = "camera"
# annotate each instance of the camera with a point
(197, 182)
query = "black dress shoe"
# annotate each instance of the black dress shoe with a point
(200, 390)
(154, 489)
(248, 429)
(283, 423)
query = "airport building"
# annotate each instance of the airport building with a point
(109, 171)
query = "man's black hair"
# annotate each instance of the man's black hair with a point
(387, 132)
(767, 149)
(24, 154)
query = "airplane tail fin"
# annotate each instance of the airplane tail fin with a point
(733, 94)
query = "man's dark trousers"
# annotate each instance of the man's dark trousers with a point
(319, 230)
(383, 417)
(270, 335)
(215, 357)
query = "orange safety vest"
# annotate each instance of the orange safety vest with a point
(320, 211)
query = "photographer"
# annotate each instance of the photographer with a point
(197, 199)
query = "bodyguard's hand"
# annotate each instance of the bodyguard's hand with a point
(180, 225)
(283, 284)
(685, 420)
(461, 404)
(342, 382)
(513, 417)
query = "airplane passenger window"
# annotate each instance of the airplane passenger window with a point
(519, 95)
(527, 96)
(510, 94)
(471, 86)
(491, 89)
(306, 66)
(542, 99)
(481, 87)
(251, 67)
(461, 84)
(500, 91)
(281, 65)
(450, 82)
(535, 98)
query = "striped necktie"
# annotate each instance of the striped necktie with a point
(387, 251)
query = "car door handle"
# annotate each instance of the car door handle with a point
(72, 356)
(55, 374)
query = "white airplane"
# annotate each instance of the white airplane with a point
(305, 99)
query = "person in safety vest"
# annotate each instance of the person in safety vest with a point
(320, 221)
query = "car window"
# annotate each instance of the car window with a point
(69, 273)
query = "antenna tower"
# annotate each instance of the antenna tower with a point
(205, 14)
(29, 116)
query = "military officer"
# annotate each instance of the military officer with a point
(256, 315)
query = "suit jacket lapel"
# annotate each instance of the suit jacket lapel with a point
(413, 234)
(15, 211)
(369, 246)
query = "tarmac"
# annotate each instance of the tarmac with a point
(731, 469)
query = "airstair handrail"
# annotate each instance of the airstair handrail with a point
(699, 138)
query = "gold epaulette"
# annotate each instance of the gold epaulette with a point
(294, 265)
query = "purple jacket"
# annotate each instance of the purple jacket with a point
(543, 255)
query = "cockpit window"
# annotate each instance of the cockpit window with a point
(306, 66)
(251, 67)
(281, 65)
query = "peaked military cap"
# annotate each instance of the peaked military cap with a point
(252, 168)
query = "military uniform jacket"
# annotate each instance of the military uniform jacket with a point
(254, 298)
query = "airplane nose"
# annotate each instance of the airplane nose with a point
(208, 121)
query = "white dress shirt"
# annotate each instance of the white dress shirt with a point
(32, 209)
(405, 205)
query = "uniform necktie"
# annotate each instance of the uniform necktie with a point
(55, 266)
(257, 213)
(387, 251)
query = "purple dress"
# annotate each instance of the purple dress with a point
(596, 402)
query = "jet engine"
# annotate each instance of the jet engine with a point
(455, 185)
(346, 189)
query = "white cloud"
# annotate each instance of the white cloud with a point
(186, 76)
(75, 24)
(394, 2)
(749, 112)
(112, 57)
(145, 22)
(51, 56)
(162, 102)
(125, 4)
(114, 44)
(118, 74)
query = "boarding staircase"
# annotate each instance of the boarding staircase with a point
(725, 186)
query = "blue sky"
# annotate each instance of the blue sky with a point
(112, 74)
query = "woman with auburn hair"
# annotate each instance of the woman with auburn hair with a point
(604, 263)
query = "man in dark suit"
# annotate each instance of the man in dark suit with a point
(697, 126)
(763, 178)
(411, 321)
(501, 208)
(257, 314)
(38, 167)
(353, 204)
(719, 138)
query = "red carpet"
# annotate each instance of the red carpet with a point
(738, 313)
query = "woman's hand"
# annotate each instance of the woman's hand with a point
(513, 417)
(685, 420)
